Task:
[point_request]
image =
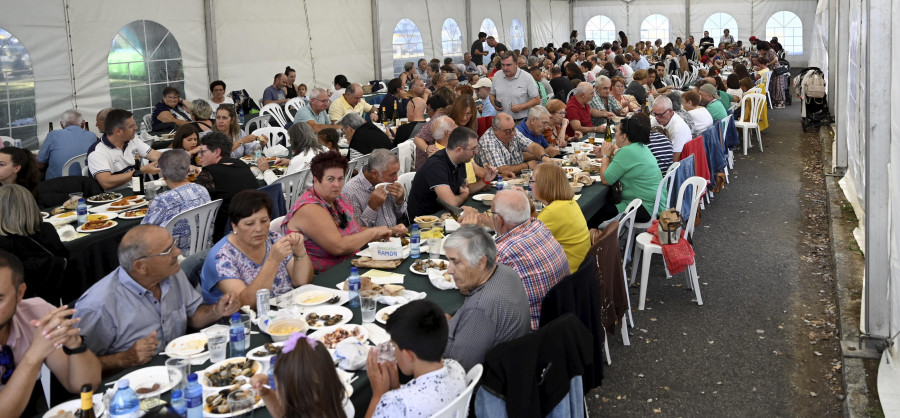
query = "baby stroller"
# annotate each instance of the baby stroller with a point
(787, 81)
(810, 84)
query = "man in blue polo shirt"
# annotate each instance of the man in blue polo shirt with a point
(63, 144)
(533, 128)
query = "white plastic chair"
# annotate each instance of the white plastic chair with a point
(275, 224)
(293, 185)
(459, 408)
(356, 164)
(292, 106)
(626, 224)
(275, 134)
(754, 90)
(755, 107)
(200, 220)
(406, 180)
(765, 82)
(644, 247)
(78, 159)
(730, 154)
(148, 120)
(668, 182)
(276, 111)
(407, 155)
(257, 123)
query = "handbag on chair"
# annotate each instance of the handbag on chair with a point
(669, 227)
(614, 194)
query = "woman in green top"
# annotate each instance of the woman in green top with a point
(630, 161)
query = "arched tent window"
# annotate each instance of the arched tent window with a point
(407, 44)
(600, 29)
(451, 40)
(788, 28)
(516, 34)
(143, 60)
(717, 23)
(488, 27)
(17, 110)
(655, 27)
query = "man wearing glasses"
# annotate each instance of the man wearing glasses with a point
(316, 114)
(679, 132)
(504, 147)
(134, 312)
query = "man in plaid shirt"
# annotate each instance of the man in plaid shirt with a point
(504, 147)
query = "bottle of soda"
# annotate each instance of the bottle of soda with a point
(353, 284)
(125, 403)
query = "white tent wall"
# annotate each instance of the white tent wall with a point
(429, 18)
(550, 22)
(502, 17)
(617, 11)
(95, 24)
(804, 9)
(41, 29)
(740, 10)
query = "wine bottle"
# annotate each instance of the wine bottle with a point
(87, 402)
(394, 116)
(51, 126)
(137, 177)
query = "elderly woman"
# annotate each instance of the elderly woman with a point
(561, 212)
(175, 165)
(34, 242)
(201, 112)
(423, 139)
(18, 166)
(171, 112)
(625, 101)
(556, 132)
(326, 217)
(217, 89)
(304, 144)
(243, 144)
(251, 257)
(630, 161)
(187, 137)
(408, 74)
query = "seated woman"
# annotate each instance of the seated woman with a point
(625, 101)
(174, 166)
(251, 257)
(243, 144)
(396, 99)
(304, 145)
(24, 234)
(556, 133)
(187, 137)
(630, 161)
(202, 113)
(217, 88)
(562, 215)
(423, 140)
(326, 217)
(18, 166)
(329, 138)
(171, 112)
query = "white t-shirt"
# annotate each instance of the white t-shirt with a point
(424, 395)
(104, 157)
(300, 162)
(678, 132)
(215, 106)
(702, 120)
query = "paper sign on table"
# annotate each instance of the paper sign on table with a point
(384, 277)
(390, 250)
(578, 196)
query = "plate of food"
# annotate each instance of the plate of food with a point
(134, 214)
(314, 297)
(215, 404)
(187, 345)
(384, 313)
(485, 198)
(65, 215)
(331, 336)
(70, 408)
(149, 381)
(425, 221)
(281, 329)
(94, 226)
(441, 279)
(45, 215)
(326, 316)
(263, 353)
(421, 267)
(228, 372)
(104, 197)
(102, 216)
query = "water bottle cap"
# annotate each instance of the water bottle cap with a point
(236, 316)
(176, 393)
(415, 227)
(123, 384)
(80, 200)
(354, 270)
(192, 377)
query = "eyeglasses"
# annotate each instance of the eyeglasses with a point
(508, 131)
(323, 101)
(202, 151)
(659, 115)
(164, 253)
(7, 364)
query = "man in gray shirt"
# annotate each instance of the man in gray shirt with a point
(134, 312)
(515, 92)
(496, 306)
(316, 114)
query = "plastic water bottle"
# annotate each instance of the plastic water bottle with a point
(271, 372)
(17, 143)
(81, 210)
(193, 396)
(236, 334)
(241, 115)
(414, 239)
(178, 403)
(125, 403)
(353, 285)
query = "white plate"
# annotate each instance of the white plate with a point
(259, 404)
(109, 216)
(88, 200)
(385, 310)
(45, 215)
(107, 208)
(318, 335)
(71, 218)
(75, 404)
(187, 346)
(425, 273)
(201, 376)
(346, 314)
(572, 170)
(122, 215)
(313, 297)
(79, 229)
(146, 377)
(481, 197)
(262, 359)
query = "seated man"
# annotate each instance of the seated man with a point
(502, 146)
(444, 175)
(533, 128)
(63, 144)
(222, 176)
(182, 195)
(525, 244)
(352, 102)
(316, 114)
(495, 309)
(419, 332)
(603, 105)
(275, 92)
(483, 91)
(709, 98)
(363, 137)
(31, 333)
(134, 312)
(578, 112)
(560, 83)
(664, 116)
(111, 160)
(378, 206)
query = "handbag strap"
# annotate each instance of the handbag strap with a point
(65, 261)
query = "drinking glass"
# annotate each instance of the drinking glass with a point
(367, 305)
(526, 174)
(218, 343)
(241, 402)
(245, 320)
(434, 248)
(386, 352)
(178, 369)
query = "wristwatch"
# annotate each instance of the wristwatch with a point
(77, 350)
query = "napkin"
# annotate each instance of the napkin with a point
(66, 233)
(277, 150)
(405, 297)
(451, 225)
(351, 354)
(377, 334)
(437, 280)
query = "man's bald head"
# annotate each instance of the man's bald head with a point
(137, 242)
(512, 206)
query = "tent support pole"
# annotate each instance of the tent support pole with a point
(528, 22)
(687, 19)
(571, 19)
(376, 45)
(212, 49)
(470, 28)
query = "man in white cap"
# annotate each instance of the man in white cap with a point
(483, 91)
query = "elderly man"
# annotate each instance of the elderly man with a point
(443, 175)
(603, 105)
(525, 244)
(111, 159)
(134, 312)
(222, 176)
(33, 334)
(533, 128)
(578, 112)
(504, 147)
(639, 62)
(352, 102)
(316, 114)
(100, 122)
(274, 93)
(422, 70)
(709, 98)
(678, 130)
(377, 198)
(363, 137)
(62, 145)
(495, 309)
(470, 65)
(483, 92)
(515, 92)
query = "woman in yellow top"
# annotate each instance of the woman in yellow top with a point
(562, 215)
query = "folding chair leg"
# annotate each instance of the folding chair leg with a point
(645, 273)
(692, 272)
(625, 339)
(606, 347)
(634, 265)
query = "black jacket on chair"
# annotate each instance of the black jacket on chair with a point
(55, 192)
